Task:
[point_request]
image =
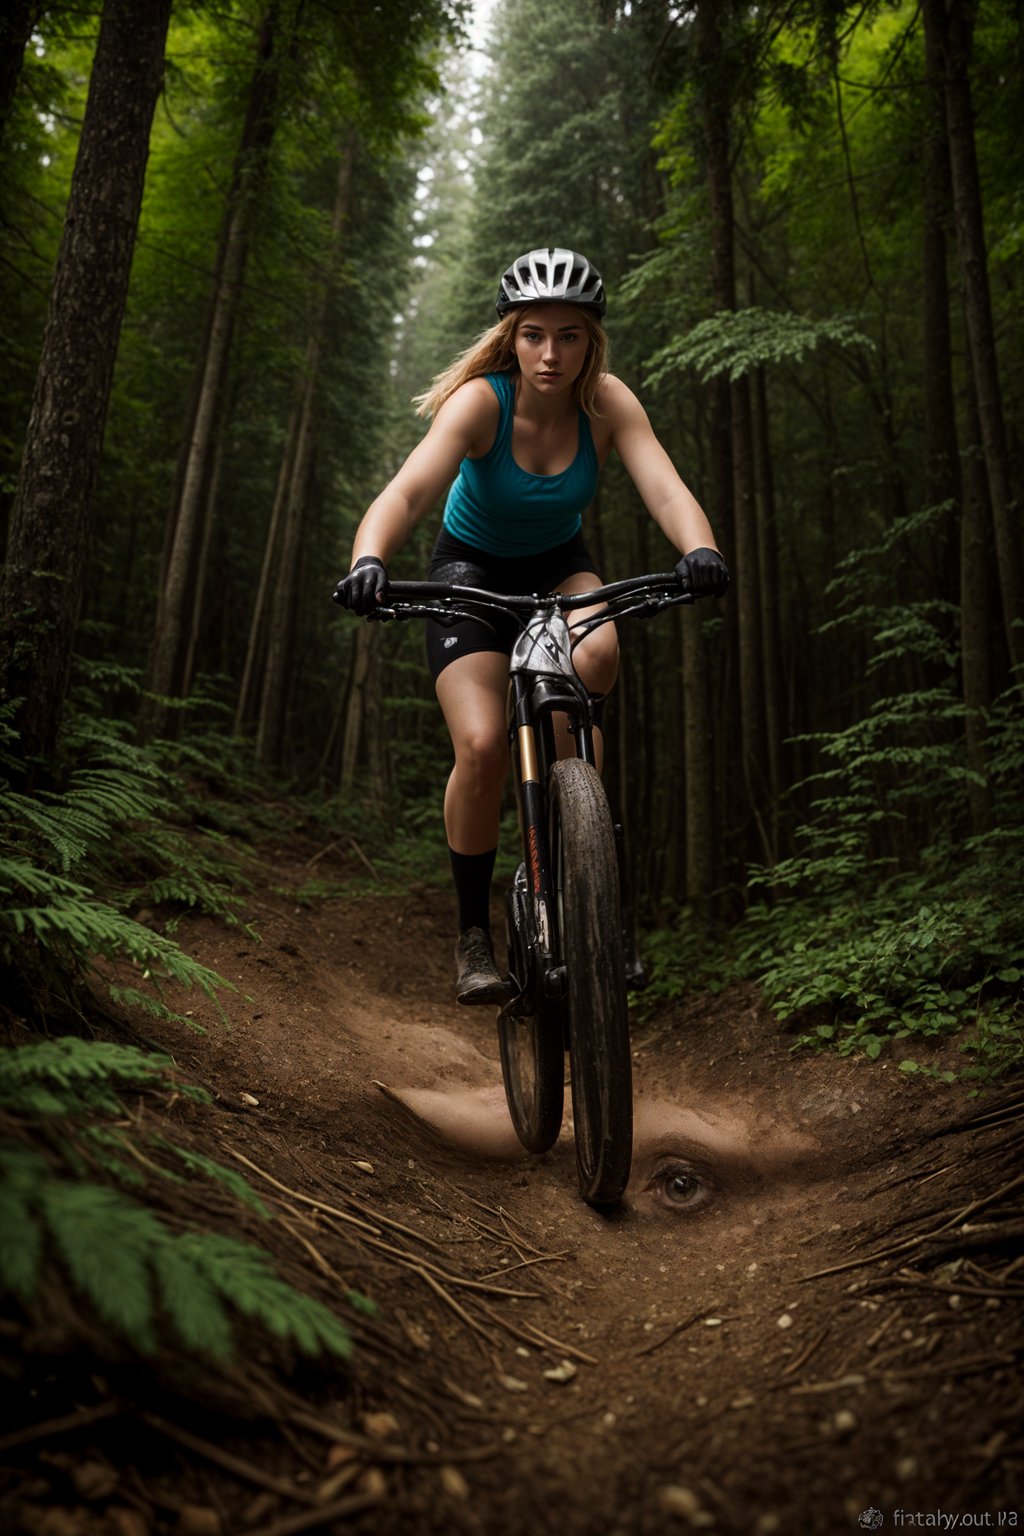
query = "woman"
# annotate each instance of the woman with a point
(522, 423)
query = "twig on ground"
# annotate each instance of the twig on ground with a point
(381, 1450)
(294, 1194)
(801, 1360)
(229, 1463)
(292, 1525)
(62, 1426)
(673, 1332)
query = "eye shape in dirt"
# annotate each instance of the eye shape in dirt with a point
(680, 1187)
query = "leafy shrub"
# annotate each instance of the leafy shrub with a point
(77, 860)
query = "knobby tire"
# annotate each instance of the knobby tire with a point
(585, 863)
(530, 1040)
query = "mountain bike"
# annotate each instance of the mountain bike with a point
(567, 942)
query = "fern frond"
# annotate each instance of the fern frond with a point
(242, 1273)
(131, 997)
(239, 1186)
(105, 1241)
(69, 1060)
(191, 1301)
(72, 916)
(21, 1250)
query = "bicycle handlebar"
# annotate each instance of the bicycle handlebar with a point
(415, 592)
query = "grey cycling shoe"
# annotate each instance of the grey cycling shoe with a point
(479, 980)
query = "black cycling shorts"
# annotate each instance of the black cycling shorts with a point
(463, 564)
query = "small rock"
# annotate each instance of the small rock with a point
(453, 1483)
(128, 1522)
(198, 1520)
(380, 1425)
(373, 1482)
(513, 1384)
(844, 1422)
(676, 1500)
(340, 1456)
(94, 1480)
(564, 1371)
(785, 1321)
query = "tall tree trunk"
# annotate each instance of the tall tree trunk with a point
(287, 556)
(771, 643)
(256, 650)
(964, 563)
(698, 786)
(951, 23)
(52, 515)
(179, 594)
(715, 110)
(942, 463)
(975, 606)
(363, 738)
(284, 596)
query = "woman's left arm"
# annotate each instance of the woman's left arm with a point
(673, 506)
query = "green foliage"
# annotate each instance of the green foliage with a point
(78, 860)
(737, 342)
(880, 935)
(151, 1283)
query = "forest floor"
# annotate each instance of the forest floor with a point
(806, 1317)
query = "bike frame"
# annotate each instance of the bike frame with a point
(542, 683)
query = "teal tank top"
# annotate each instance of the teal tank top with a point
(502, 509)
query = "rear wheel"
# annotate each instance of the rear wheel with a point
(586, 870)
(530, 1034)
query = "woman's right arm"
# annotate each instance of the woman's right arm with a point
(465, 424)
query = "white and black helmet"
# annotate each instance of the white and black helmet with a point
(549, 276)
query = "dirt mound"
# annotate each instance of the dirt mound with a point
(805, 1317)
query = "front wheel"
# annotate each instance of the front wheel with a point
(586, 871)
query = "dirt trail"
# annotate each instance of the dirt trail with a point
(674, 1367)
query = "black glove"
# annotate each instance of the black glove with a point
(704, 573)
(365, 582)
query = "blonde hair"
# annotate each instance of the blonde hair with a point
(494, 351)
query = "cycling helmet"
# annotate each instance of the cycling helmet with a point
(550, 276)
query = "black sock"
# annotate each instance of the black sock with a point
(472, 874)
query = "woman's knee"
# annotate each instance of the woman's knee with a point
(481, 760)
(597, 659)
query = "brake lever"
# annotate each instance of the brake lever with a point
(446, 617)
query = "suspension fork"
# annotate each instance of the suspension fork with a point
(529, 759)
